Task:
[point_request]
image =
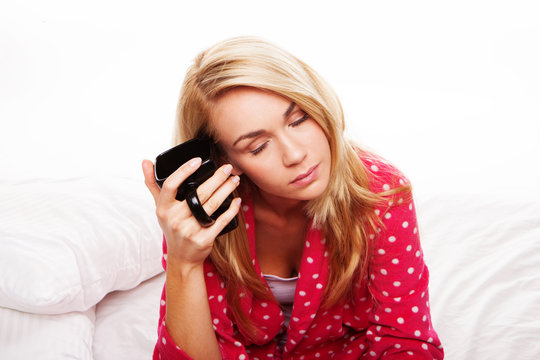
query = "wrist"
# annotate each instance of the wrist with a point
(184, 270)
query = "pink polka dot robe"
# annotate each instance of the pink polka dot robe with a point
(389, 317)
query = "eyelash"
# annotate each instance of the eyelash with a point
(293, 124)
(259, 149)
(299, 121)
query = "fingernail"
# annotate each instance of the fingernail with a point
(238, 201)
(236, 179)
(227, 169)
(195, 162)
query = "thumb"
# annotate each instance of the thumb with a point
(149, 180)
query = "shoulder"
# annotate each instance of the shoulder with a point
(382, 175)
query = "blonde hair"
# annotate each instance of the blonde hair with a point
(344, 211)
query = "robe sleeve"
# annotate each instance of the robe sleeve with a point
(230, 347)
(400, 321)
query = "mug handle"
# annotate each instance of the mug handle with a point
(196, 208)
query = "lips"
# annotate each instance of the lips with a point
(302, 176)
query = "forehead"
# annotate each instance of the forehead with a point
(245, 109)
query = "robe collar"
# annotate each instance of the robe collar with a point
(312, 280)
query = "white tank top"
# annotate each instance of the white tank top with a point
(283, 290)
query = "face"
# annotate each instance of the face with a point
(272, 141)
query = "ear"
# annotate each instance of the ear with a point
(224, 159)
(236, 170)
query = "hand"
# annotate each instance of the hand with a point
(188, 243)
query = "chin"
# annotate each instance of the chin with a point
(312, 192)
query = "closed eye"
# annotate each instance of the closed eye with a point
(299, 121)
(259, 149)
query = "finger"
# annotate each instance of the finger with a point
(226, 217)
(206, 189)
(149, 180)
(170, 186)
(217, 198)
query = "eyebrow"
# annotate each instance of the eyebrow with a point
(290, 109)
(256, 133)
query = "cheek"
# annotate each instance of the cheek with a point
(256, 171)
(318, 141)
(261, 173)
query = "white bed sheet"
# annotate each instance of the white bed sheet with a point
(483, 253)
(25, 336)
(126, 322)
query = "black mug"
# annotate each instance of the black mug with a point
(168, 161)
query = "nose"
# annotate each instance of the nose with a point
(293, 152)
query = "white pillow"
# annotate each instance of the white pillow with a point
(60, 337)
(66, 243)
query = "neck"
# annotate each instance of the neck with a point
(282, 208)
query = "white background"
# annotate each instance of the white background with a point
(448, 91)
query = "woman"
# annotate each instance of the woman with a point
(326, 262)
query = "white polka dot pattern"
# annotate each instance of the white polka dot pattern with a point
(391, 303)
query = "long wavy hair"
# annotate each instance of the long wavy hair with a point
(344, 211)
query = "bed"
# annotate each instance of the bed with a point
(81, 275)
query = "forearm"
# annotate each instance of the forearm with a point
(188, 318)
